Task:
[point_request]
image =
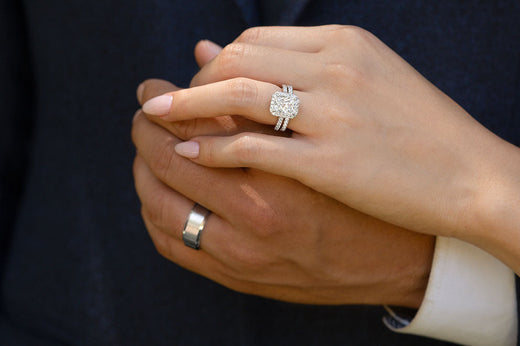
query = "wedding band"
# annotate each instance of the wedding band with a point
(284, 105)
(194, 226)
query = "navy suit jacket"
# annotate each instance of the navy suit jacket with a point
(76, 263)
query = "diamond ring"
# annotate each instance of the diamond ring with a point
(284, 105)
(194, 226)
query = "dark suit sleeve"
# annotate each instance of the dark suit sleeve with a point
(15, 117)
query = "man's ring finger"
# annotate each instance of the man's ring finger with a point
(194, 226)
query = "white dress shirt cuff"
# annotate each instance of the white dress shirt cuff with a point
(470, 299)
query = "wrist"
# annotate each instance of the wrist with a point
(410, 280)
(495, 214)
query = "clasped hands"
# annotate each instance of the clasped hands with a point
(320, 215)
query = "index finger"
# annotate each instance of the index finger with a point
(186, 129)
(217, 189)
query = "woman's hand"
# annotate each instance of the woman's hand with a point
(270, 236)
(371, 132)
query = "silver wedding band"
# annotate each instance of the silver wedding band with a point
(194, 226)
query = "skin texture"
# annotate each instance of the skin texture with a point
(386, 142)
(268, 235)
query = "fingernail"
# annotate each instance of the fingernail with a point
(213, 48)
(135, 115)
(159, 105)
(140, 91)
(188, 149)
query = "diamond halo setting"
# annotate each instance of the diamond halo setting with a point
(285, 106)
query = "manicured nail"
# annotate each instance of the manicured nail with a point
(159, 105)
(140, 91)
(213, 48)
(188, 149)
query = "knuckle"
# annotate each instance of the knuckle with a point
(246, 149)
(161, 160)
(264, 224)
(247, 263)
(347, 33)
(338, 33)
(334, 28)
(243, 91)
(351, 37)
(208, 152)
(156, 209)
(355, 31)
(361, 34)
(250, 35)
(185, 129)
(229, 59)
(160, 245)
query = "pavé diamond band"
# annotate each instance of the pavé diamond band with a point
(284, 105)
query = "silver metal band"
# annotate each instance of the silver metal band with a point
(279, 124)
(194, 226)
(285, 123)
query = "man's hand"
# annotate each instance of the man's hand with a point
(268, 235)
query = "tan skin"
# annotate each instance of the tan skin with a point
(268, 235)
(371, 133)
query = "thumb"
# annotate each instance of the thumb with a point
(205, 51)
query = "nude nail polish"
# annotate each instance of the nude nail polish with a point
(159, 105)
(188, 149)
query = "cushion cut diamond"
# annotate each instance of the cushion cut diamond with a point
(284, 105)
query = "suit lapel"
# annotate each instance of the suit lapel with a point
(292, 10)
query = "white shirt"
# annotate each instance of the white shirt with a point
(470, 299)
